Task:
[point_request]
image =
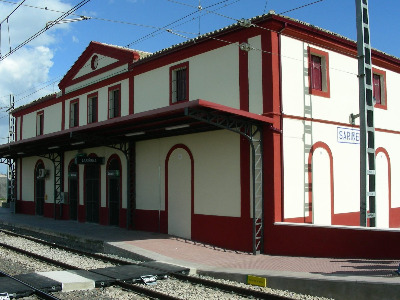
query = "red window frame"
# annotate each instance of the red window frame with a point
(382, 104)
(39, 123)
(116, 109)
(179, 88)
(74, 115)
(96, 114)
(318, 74)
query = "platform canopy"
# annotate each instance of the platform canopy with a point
(158, 123)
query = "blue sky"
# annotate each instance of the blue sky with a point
(34, 70)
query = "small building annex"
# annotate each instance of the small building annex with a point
(239, 138)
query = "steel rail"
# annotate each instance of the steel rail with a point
(230, 288)
(36, 291)
(70, 249)
(39, 257)
(137, 288)
(141, 290)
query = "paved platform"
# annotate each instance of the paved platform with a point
(336, 278)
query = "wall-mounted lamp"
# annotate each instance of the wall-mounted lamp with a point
(177, 127)
(352, 118)
(135, 133)
(77, 143)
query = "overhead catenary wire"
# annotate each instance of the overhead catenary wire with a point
(47, 27)
(8, 26)
(165, 28)
(6, 18)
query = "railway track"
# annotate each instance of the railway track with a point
(183, 281)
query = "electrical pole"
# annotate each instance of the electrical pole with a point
(11, 163)
(367, 129)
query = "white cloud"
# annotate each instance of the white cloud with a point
(24, 72)
(75, 39)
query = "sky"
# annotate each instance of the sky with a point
(35, 69)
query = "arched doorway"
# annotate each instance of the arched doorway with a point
(40, 187)
(383, 188)
(114, 190)
(179, 191)
(73, 189)
(92, 192)
(321, 186)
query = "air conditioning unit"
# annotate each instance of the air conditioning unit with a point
(63, 198)
(43, 173)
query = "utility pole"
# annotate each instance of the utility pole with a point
(11, 163)
(367, 129)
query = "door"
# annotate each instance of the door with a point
(39, 189)
(114, 191)
(73, 191)
(92, 193)
(321, 188)
(179, 193)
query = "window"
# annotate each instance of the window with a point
(39, 123)
(318, 72)
(92, 108)
(179, 83)
(379, 88)
(74, 113)
(114, 102)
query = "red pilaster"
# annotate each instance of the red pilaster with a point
(271, 134)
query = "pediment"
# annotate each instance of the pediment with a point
(97, 58)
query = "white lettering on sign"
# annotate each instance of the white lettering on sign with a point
(348, 135)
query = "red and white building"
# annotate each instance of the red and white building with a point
(186, 140)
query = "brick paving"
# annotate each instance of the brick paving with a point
(200, 254)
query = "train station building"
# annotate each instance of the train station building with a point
(242, 138)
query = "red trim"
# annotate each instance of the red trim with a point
(171, 71)
(36, 105)
(38, 114)
(110, 89)
(272, 156)
(25, 207)
(94, 62)
(326, 89)
(16, 129)
(384, 99)
(114, 156)
(392, 217)
(131, 95)
(124, 56)
(95, 94)
(314, 147)
(72, 102)
(20, 179)
(243, 77)
(184, 147)
(245, 175)
(22, 127)
(63, 115)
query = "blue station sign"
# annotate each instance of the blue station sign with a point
(348, 135)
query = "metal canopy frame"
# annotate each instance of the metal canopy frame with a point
(11, 182)
(58, 162)
(252, 131)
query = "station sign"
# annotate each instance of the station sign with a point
(348, 135)
(86, 160)
(113, 173)
(73, 174)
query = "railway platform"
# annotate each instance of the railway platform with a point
(328, 277)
